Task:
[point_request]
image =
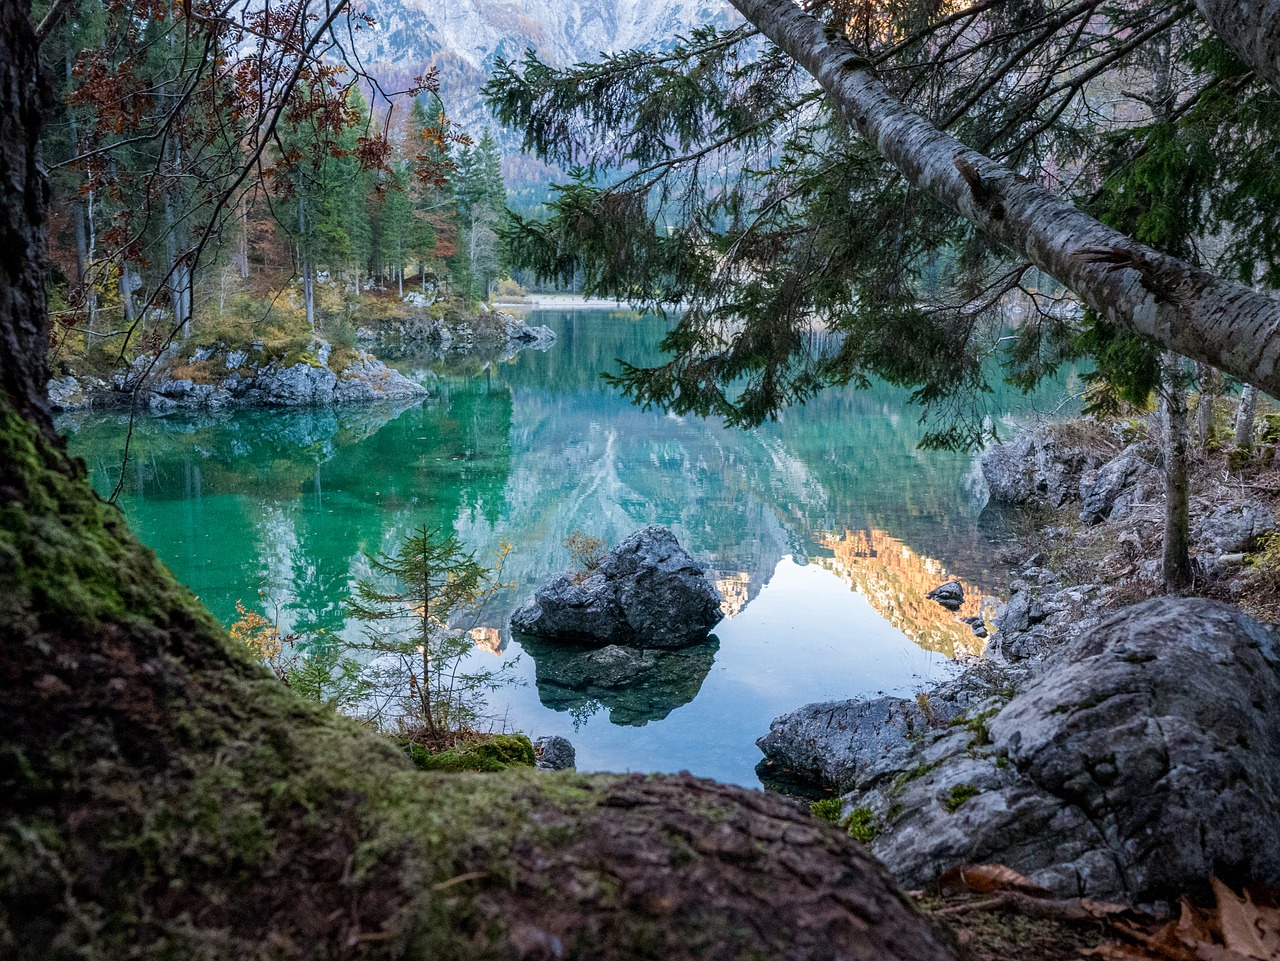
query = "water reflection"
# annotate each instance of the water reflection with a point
(895, 580)
(532, 448)
(635, 685)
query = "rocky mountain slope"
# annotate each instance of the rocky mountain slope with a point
(463, 38)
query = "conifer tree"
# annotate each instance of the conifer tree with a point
(408, 608)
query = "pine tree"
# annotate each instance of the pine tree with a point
(433, 581)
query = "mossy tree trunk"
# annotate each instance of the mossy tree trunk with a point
(162, 796)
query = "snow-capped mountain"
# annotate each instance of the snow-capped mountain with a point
(475, 32)
(463, 38)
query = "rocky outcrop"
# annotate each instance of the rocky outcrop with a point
(844, 745)
(1138, 761)
(222, 377)
(1110, 489)
(950, 595)
(554, 753)
(1037, 469)
(648, 591)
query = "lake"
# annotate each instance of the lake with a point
(824, 530)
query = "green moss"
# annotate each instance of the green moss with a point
(496, 753)
(862, 825)
(827, 808)
(906, 777)
(958, 796)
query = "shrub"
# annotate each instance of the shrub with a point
(585, 552)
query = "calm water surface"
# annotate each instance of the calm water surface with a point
(824, 530)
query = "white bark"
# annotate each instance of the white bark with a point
(1245, 414)
(1182, 307)
(1251, 28)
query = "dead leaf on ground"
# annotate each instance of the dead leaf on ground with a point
(1243, 928)
(1249, 926)
(988, 879)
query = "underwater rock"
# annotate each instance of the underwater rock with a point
(636, 686)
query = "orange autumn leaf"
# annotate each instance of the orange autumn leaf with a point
(988, 879)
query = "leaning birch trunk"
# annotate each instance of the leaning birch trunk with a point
(1177, 511)
(1251, 30)
(1182, 307)
(1245, 414)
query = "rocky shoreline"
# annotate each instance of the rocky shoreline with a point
(1100, 747)
(320, 374)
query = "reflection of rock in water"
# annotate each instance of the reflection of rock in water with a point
(896, 580)
(636, 685)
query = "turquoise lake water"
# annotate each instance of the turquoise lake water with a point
(824, 530)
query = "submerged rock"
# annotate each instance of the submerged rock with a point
(634, 685)
(1139, 761)
(950, 595)
(647, 591)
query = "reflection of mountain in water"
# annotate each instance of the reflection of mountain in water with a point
(529, 451)
(895, 580)
(634, 685)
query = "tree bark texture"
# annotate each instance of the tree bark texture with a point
(1177, 480)
(162, 796)
(1180, 306)
(1251, 28)
(1245, 415)
(1209, 382)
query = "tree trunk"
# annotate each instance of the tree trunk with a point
(1245, 415)
(1180, 306)
(162, 795)
(1177, 483)
(1251, 29)
(1210, 384)
(304, 264)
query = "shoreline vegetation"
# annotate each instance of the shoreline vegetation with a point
(272, 366)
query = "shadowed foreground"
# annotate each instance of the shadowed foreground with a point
(162, 796)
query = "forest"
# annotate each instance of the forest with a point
(952, 340)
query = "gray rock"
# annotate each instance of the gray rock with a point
(1233, 527)
(647, 591)
(1035, 468)
(176, 389)
(950, 595)
(520, 333)
(1139, 761)
(66, 393)
(297, 386)
(1100, 489)
(554, 753)
(844, 745)
(366, 378)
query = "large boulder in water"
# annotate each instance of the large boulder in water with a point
(647, 591)
(1139, 762)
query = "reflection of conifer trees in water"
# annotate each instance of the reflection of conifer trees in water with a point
(530, 451)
